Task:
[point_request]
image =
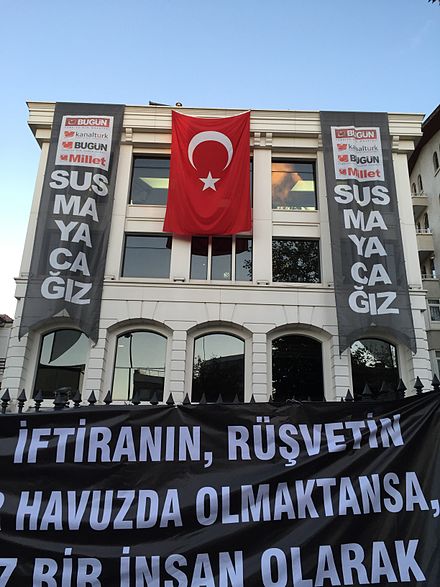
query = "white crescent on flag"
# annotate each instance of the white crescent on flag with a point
(210, 135)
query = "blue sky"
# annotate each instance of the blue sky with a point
(373, 55)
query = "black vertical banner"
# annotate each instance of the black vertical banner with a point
(371, 288)
(73, 225)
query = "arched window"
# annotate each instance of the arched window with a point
(426, 222)
(297, 368)
(420, 183)
(139, 365)
(435, 161)
(373, 361)
(413, 189)
(62, 362)
(218, 368)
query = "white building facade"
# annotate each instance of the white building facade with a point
(424, 165)
(172, 305)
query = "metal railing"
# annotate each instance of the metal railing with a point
(61, 400)
(423, 230)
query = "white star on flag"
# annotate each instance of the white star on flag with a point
(209, 182)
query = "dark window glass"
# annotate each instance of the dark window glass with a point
(149, 183)
(147, 256)
(434, 310)
(62, 362)
(420, 183)
(139, 366)
(293, 186)
(221, 263)
(413, 188)
(218, 368)
(243, 259)
(219, 250)
(297, 369)
(374, 362)
(435, 160)
(295, 261)
(199, 257)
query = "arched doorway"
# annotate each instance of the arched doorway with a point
(62, 361)
(373, 361)
(139, 365)
(218, 367)
(297, 368)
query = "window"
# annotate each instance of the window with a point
(297, 369)
(435, 161)
(62, 362)
(420, 183)
(426, 223)
(374, 362)
(293, 186)
(434, 310)
(212, 258)
(218, 368)
(413, 189)
(139, 366)
(147, 256)
(295, 261)
(149, 182)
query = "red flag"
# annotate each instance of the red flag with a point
(209, 191)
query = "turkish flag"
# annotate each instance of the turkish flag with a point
(209, 189)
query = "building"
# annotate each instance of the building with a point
(424, 170)
(247, 315)
(5, 329)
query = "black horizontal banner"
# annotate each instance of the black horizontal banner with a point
(301, 495)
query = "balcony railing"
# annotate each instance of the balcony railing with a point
(431, 275)
(423, 230)
(418, 194)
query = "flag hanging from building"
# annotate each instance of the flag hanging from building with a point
(209, 190)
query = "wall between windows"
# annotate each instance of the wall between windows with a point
(424, 168)
(255, 311)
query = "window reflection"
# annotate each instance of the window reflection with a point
(218, 368)
(62, 362)
(199, 257)
(243, 259)
(295, 261)
(139, 366)
(297, 369)
(214, 258)
(373, 361)
(293, 186)
(221, 258)
(147, 256)
(149, 183)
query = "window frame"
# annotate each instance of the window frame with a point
(311, 340)
(300, 161)
(214, 332)
(151, 156)
(434, 303)
(37, 360)
(233, 253)
(435, 162)
(398, 359)
(130, 331)
(149, 235)
(297, 239)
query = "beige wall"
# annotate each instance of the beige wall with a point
(257, 311)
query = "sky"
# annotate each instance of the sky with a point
(370, 55)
